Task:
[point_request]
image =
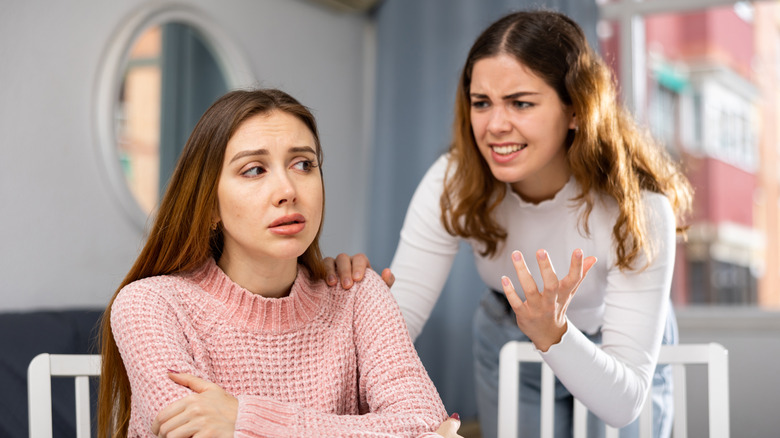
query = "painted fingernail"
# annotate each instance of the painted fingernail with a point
(172, 371)
(516, 256)
(455, 416)
(505, 281)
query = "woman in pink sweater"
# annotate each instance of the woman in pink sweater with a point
(224, 325)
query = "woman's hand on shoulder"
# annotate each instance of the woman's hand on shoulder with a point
(210, 411)
(542, 316)
(348, 270)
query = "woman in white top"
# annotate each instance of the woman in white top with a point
(546, 163)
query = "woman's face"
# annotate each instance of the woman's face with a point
(520, 125)
(270, 190)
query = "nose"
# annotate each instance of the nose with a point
(284, 192)
(498, 123)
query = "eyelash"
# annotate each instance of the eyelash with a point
(247, 172)
(309, 165)
(482, 104)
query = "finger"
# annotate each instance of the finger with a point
(449, 428)
(549, 277)
(166, 414)
(330, 271)
(524, 276)
(180, 426)
(193, 382)
(575, 268)
(571, 282)
(388, 277)
(578, 269)
(589, 262)
(511, 295)
(344, 270)
(359, 265)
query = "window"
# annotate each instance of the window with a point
(701, 93)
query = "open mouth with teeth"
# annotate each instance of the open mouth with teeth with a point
(508, 149)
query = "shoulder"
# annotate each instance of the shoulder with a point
(429, 190)
(658, 212)
(655, 206)
(150, 294)
(436, 172)
(656, 202)
(372, 289)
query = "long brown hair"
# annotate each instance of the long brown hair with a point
(608, 154)
(181, 237)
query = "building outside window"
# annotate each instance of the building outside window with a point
(709, 97)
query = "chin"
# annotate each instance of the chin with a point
(505, 176)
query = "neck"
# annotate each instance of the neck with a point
(546, 184)
(539, 192)
(271, 279)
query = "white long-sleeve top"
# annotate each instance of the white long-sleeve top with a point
(630, 307)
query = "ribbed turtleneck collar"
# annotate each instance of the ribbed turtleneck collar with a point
(255, 312)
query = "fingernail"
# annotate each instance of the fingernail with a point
(356, 276)
(172, 371)
(505, 281)
(578, 252)
(455, 416)
(332, 279)
(516, 256)
(347, 283)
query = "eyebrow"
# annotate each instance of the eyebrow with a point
(507, 97)
(295, 149)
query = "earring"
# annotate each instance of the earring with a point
(214, 226)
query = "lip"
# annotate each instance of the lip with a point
(288, 225)
(505, 158)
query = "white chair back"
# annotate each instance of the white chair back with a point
(39, 373)
(715, 356)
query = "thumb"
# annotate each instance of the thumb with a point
(388, 277)
(193, 382)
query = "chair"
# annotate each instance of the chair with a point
(715, 356)
(39, 373)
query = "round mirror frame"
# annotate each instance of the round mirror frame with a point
(230, 60)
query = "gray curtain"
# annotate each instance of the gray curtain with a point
(422, 45)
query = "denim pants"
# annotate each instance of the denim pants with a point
(493, 326)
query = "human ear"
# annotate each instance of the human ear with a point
(215, 220)
(573, 124)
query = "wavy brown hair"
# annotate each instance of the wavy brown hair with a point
(607, 155)
(181, 238)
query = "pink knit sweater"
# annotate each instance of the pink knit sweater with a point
(321, 362)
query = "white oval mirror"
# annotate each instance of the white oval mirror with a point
(162, 71)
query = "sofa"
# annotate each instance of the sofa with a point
(23, 335)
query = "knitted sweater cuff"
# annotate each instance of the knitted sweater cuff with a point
(263, 417)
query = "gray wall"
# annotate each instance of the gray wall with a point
(752, 338)
(65, 241)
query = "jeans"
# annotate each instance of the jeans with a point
(493, 326)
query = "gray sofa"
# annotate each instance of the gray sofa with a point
(24, 335)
